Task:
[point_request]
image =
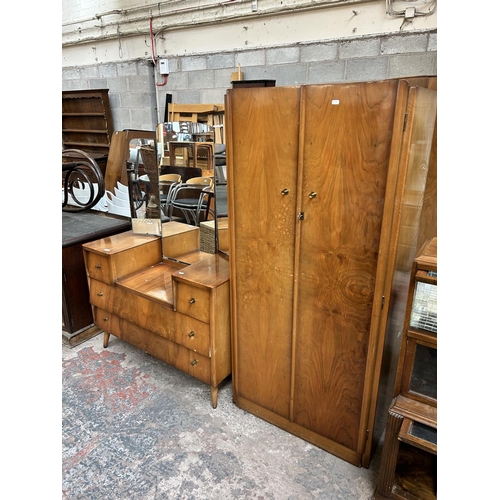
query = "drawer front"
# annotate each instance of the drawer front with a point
(182, 358)
(102, 295)
(192, 301)
(192, 333)
(109, 268)
(107, 321)
(99, 267)
(180, 328)
(199, 367)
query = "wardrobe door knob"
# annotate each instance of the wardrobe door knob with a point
(312, 195)
(284, 192)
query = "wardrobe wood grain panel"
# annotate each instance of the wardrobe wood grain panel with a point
(265, 235)
(345, 162)
(317, 179)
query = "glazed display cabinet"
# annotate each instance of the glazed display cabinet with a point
(408, 468)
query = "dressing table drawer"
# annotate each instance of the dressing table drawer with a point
(175, 326)
(99, 268)
(194, 363)
(112, 258)
(101, 294)
(192, 301)
(193, 334)
(107, 321)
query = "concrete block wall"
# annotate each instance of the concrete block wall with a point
(131, 87)
(137, 102)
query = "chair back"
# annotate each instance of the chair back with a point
(203, 181)
(170, 178)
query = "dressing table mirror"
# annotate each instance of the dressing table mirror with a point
(186, 151)
(181, 152)
(221, 221)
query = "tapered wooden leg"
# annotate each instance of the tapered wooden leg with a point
(106, 339)
(214, 392)
(389, 455)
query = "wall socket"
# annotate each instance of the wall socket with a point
(254, 5)
(164, 67)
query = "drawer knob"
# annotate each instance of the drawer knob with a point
(100, 294)
(98, 266)
(191, 334)
(192, 301)
(106, 319)
(195, 361)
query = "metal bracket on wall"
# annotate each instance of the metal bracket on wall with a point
(407, 12)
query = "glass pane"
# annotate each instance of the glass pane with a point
(424, 309)
(425, 432)
(424, 374)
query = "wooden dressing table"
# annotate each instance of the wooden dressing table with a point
(175, 308)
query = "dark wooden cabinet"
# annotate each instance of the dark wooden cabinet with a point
(240, 84)
(316, 176)
(78, 229)
(408, 468)
(76, 311)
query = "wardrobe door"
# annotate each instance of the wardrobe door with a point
(347, 140)
(263, 126)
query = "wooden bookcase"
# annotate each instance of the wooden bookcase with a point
(86, 121)
(408, 468)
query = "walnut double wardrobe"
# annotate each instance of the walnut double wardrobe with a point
(317, 178)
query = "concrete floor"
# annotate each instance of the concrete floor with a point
(136, 428)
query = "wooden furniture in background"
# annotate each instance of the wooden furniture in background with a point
(176, 308)
(87, 123)
(211, 114)
(253, 83)
(408, 468)
(203, 155)
(191, 154)
(314, 187)
(183, 150)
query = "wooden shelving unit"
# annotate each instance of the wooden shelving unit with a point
(86, 121)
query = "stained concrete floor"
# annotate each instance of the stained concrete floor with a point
(134, 427)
